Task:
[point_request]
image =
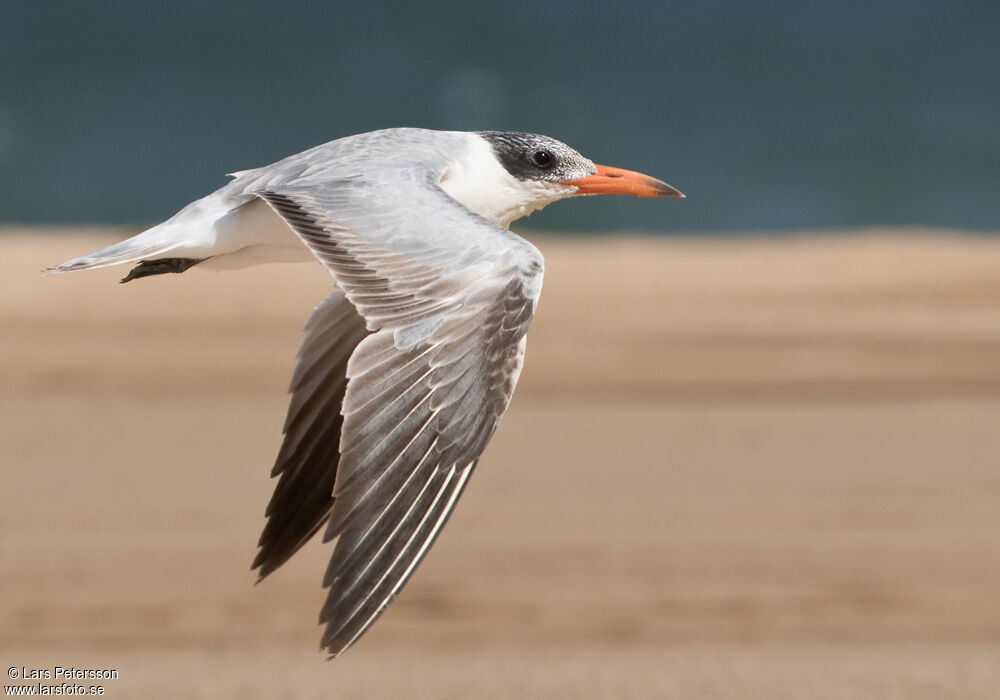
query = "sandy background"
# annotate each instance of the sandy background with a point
(750, 468)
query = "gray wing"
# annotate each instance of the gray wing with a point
(448, 297)
(307, 461)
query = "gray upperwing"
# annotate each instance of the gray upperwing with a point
(307, 461)
(449, 298)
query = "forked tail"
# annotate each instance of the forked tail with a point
(229, 231)
(148, 244)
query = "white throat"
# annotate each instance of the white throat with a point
(477, 180)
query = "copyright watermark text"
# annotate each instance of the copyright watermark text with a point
(57, 680)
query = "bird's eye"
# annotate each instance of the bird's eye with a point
(543, 159)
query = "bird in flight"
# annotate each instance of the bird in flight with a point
(410, 362)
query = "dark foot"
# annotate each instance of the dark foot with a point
(159, 267)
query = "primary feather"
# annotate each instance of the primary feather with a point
(409, 364)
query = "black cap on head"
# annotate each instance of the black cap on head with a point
(536, 157)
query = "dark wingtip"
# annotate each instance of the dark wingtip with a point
(264, 564)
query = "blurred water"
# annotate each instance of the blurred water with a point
(768, 115)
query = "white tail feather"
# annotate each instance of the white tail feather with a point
(232, 235)
(146, 245)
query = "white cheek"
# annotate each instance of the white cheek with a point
(536, 196)
(478, 181)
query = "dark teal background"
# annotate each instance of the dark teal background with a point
(768, 115)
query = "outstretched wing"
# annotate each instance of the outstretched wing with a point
(307, 461)
(448, 297)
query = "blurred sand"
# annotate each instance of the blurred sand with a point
(744, 468)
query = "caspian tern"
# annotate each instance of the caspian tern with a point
(409, 364)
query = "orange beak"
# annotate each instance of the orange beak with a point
(610, 180)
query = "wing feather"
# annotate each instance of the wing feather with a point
(307, 461)
(447, 309)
